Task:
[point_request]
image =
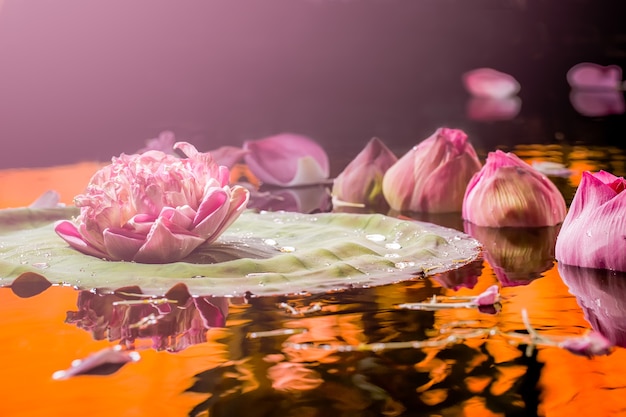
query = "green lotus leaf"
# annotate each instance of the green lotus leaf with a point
(261, 253)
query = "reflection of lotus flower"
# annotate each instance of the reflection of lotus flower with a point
(600, 293)
(593, 232)
(489, 83)
(154, 207)
(173, 323)
(433, 175)
(361, 181)
(517, 255)
(492, 109)
(589, 76)
(597, 103)
(287, 160)
(507, 192)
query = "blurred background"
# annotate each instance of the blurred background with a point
(88, 80)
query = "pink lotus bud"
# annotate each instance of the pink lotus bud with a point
(592, 234)
(287, 160)
(507, 192)
(154, 207)
(489, 83)
(589, 76)
(361, 182)
(433, 175)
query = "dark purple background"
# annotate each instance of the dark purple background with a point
(88, 80)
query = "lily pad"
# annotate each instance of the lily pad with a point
(266, 253)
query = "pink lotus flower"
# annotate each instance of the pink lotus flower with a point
(154, 207)
(489, 83)
(507, 192)
(361, 181)
(593, 232)
(589, 76)
(287, 160)
(433, 175)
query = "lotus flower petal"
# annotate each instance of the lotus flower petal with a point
(507, 192)
(490, 83)
(361, 181)
(597, 103)
(433, 175)
(228, 156)
(590, 76)
(68, 231)
(163, 143)
(166, 242)
(593, 233)
(154, 207)
(307, 199)
(592, 344)
(47, 200)
(287, 160)
(488, 297)
(492, 109)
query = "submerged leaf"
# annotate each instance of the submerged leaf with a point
(261, 253)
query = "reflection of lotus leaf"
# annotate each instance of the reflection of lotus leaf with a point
(262, 253)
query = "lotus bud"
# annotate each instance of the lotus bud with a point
(361, 182)
(592, 234)
(154, 207)
(287, 160)
(433, 175)
(589, 76)
(490, 83)
(507, 192)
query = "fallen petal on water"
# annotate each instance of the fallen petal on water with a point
(104, 362)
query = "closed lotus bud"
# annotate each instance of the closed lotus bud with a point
(154, 207)
(592, 234)
(507, 192)
(432, 176)
(287, 160)
(361, 182)
(490, 83)
(590, 76)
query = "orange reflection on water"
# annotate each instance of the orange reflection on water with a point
(20, 187)
(36, 342)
